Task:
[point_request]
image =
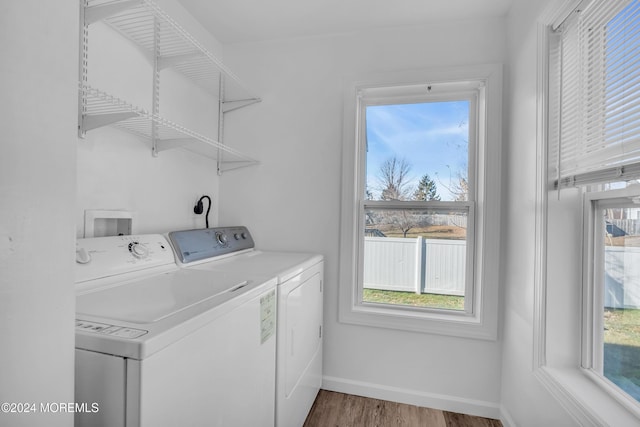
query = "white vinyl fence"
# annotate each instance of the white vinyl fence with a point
(419, 265)
(438, 266)
(622, 277)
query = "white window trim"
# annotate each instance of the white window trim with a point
(481, 322)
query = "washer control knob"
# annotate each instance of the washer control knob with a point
(244, 235)
(138, 250)
(221, 238)
(82, 256)
(236, 236)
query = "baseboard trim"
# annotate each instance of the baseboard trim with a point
(474, 407)
(505, 418)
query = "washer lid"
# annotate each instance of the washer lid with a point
(152, 299)
(282, 265)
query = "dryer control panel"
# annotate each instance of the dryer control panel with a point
(206, 243)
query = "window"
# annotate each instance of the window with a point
(418, 197)
(594, 129)
(612, 342)
(415, 205)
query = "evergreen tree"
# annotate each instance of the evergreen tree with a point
(426, 190)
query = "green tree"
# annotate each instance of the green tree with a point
(426, 190)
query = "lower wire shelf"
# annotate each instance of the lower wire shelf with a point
(100, 109)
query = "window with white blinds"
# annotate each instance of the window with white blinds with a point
(595, 95)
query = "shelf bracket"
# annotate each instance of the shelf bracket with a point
(170, 61)
(228, 106)
(168, 144)
(232, 165)
(96, 13)
(94, 121)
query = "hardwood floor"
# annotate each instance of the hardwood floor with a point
(333, 409)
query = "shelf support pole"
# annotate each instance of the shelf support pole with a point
(155, 107)
(221, 96)
(82, 69)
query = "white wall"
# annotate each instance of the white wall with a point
(38, 75)
(524, 398)
(292, 199)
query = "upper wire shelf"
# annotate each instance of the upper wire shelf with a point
(148, 26)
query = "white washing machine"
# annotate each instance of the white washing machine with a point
(161, 346)
(299, 279)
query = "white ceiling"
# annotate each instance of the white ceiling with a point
(232, 21)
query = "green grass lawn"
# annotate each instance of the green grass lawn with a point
(412, 299)
(622, 349)
(622, 326)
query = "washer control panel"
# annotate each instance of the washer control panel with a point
(99, 257)
(138, 250)
(206, 243)
(106, 329)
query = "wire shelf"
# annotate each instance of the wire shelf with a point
(141, 21)
(102, 109)
(163, 39)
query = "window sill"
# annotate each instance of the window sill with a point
(586, 401)
(440, 322)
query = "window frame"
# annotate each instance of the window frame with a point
(454, 93)
(593, 289)
(479, 320)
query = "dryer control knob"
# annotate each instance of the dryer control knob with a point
(138, 250)
(221, 238)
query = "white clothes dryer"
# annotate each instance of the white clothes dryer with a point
(161, 346)
(299, 278)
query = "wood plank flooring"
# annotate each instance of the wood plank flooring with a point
(332, 409)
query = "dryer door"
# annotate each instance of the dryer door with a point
(299, 346)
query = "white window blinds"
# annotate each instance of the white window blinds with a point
(595, 95)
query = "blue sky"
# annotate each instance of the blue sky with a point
(431, 137)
